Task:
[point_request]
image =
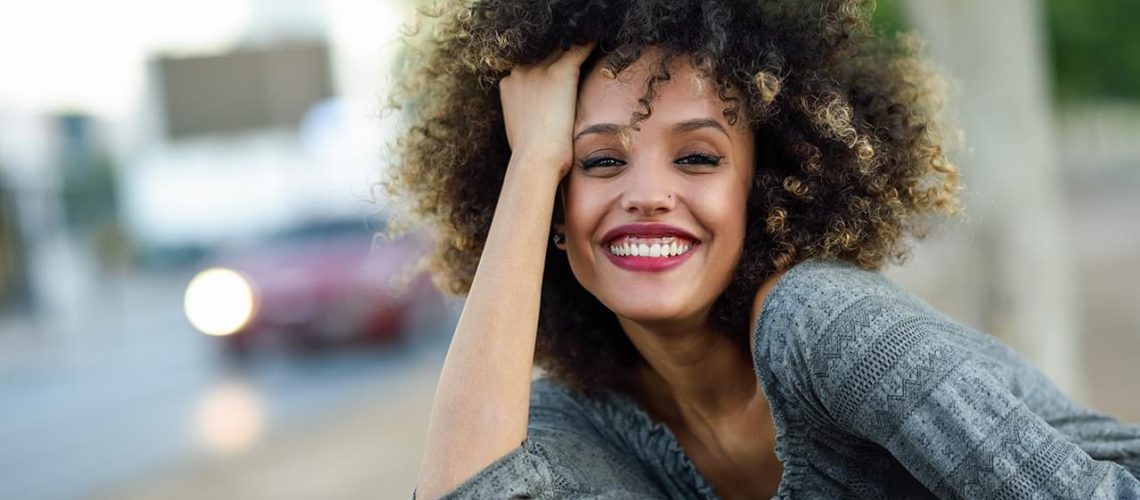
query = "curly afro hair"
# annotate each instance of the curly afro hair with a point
(849, 146)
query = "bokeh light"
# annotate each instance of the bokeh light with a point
(219, 301)
(229, 418)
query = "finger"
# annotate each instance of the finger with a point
(577, 54)
(552, 57)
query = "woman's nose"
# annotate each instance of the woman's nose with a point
(648, 193)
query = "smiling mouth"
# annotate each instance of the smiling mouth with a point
(656, 247)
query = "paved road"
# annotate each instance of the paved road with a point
(132, 396)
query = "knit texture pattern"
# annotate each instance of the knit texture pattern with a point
(874, 394)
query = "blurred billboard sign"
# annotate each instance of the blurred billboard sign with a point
(244, 90)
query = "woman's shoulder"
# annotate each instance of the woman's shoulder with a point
(847, 335)
(843, 333)
(837, 308)
(824, 286)
(833, 301)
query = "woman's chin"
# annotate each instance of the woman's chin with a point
(648, 310)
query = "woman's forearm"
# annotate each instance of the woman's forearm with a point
(483, 396)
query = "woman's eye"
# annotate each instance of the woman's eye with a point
(604, 161)
(700, 159)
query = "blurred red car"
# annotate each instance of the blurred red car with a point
(320, 283)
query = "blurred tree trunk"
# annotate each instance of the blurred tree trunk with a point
(994, 51)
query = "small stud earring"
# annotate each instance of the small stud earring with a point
(558, 238)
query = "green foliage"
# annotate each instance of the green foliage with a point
(1095, 46)
(889, 18)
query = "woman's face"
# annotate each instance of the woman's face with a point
(655, 217)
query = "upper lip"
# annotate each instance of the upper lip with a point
(646, 230)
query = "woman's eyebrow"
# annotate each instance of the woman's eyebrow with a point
(600, 128)
(680, 128)
(698, 123)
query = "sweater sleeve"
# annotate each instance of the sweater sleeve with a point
(522, 473)
(944, 400)
(563, 455)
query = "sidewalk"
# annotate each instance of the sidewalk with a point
(22, 338)
(369, 451)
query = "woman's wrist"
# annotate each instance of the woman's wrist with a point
(540, 163)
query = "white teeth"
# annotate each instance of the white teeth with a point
(669, 249)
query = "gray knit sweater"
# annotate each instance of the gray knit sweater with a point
(874, 395)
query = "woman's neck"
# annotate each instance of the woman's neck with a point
(698, 375)
(703, 387)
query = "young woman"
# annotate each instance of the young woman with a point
(719, 180)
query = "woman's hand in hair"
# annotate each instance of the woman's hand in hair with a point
(539, 103)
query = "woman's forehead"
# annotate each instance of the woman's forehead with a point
(686, 95)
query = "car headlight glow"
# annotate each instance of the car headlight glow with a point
(219, 301)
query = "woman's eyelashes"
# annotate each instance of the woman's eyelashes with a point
(602, 161)
(696, 159)
(700, 159)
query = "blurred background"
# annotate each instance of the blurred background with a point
(192, 303)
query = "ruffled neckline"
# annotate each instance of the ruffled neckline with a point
(654, 443)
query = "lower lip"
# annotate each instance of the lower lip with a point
(649, 264)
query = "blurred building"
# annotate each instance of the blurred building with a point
(58, 193)
(152, 143)
(220, 158)
(13, 274)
